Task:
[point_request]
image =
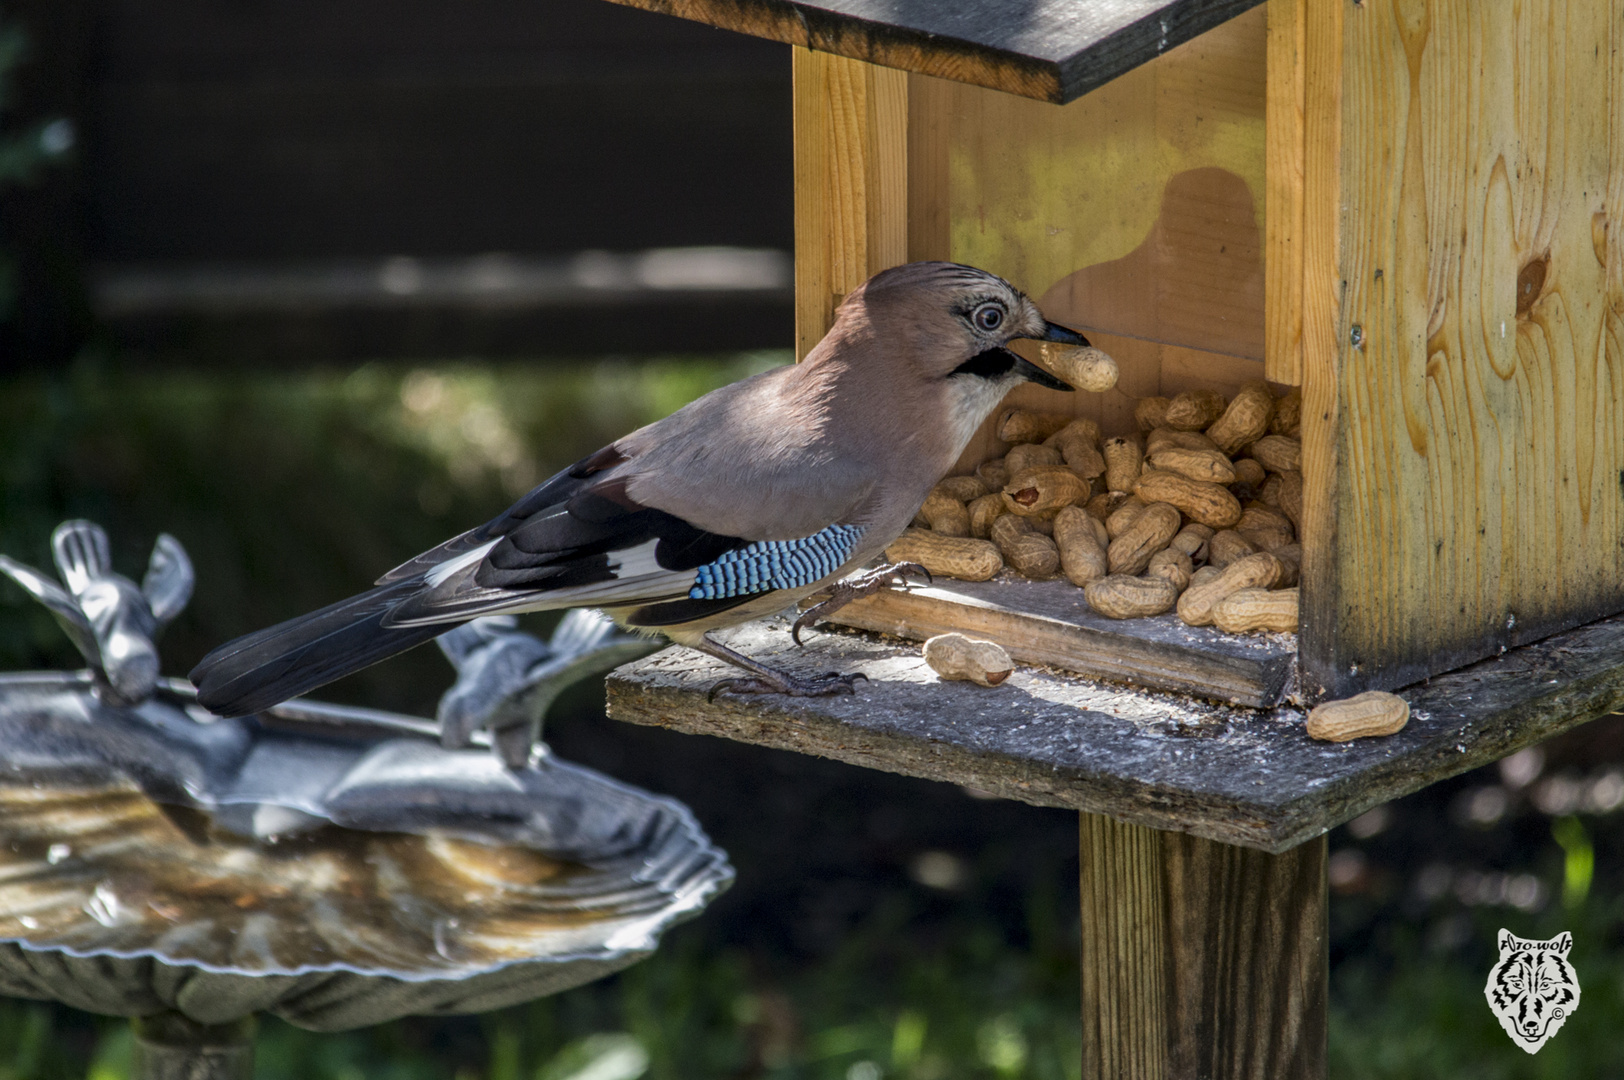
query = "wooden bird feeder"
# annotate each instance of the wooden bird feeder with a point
(1403, 209)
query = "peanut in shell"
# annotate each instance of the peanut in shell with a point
(1195, 410)
(1172, 564)
(1082, 556)
(1210, 504)
(1029, 456)
(1278, 453)
(946, 514)
(1151, 412)
(1227, 546)
(1035, 491)
(1258, 571)
(1120, 596)
(1374, 712)
(962, 488)
(1245, 420)
(1124, 461)
(983, 512)
(947, 556)
(1025, 550)
(1151, 531)
(954, 656)
(1288, 415)
(1208, 466)
(1274, 610)
(1024, 426)
(1084, 367)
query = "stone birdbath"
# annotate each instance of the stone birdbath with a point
(333, 866)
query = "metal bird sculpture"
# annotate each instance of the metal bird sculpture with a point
(507, 679)
(743, 502)
(426, 879)
(110, 620)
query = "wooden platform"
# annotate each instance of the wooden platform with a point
(1050, 624)
(1235, 775)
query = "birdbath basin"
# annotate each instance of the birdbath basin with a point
(333, 866)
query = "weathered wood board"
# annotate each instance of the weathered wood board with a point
(1239, 776)
(1464, 377)
(1049, 623)
(1052, 50)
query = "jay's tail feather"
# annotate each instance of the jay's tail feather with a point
(258, 670)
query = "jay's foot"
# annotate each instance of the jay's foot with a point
(841, 593)
(829, 684)
(765, 680)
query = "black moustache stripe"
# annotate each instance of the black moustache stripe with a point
(991, 364)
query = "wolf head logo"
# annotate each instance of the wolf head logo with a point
(1533, 989)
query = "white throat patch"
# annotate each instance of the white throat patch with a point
(973, 401)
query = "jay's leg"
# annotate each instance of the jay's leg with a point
(841, 593)
(766, 680)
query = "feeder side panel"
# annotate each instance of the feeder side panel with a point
(1286, 133)
(1465, 453)
(1135, 214)
(851, 182)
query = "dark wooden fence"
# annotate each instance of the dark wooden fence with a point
(235, 139)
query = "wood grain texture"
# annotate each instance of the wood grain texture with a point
(1200, 959)
(930, 222)
(1051, 50)
(1135, 213)
(851, 182)
(1286, 132)
(1464, 435)
(1235, 775)
(1049, 623)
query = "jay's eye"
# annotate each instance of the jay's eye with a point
(988, 317)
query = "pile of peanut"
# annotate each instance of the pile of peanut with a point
(1197, 511)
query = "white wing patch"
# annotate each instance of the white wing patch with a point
(639, 578)
(451, 566)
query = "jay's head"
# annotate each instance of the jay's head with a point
(952, 322)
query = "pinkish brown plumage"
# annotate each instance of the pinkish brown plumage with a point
(739, 504)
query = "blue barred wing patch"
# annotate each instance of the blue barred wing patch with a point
(767, 565)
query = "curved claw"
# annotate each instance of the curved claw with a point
(903, 569)
(807, 618)
(721, 684)
(828, 685)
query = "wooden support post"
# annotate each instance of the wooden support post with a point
(1200, 959)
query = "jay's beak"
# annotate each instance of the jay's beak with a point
(1032, 373)
(1061, 335)
(1056, 333)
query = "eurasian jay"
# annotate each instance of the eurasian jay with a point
(735, 506)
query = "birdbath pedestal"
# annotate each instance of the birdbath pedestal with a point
(1203, 850)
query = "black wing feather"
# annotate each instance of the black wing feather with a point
(564, 533)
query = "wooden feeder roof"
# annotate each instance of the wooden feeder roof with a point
(1052, 50)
